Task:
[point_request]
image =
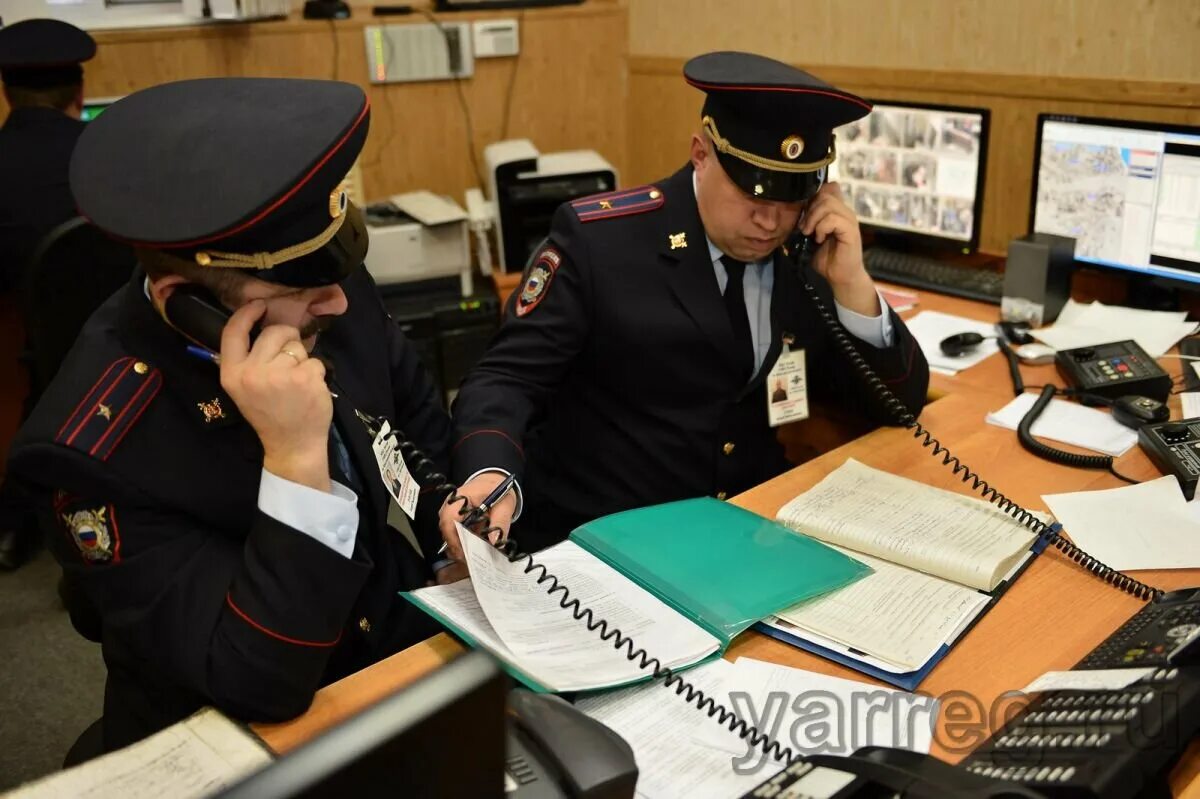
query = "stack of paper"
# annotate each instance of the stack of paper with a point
(930, 327)
(195, 758)
(1069, 423)
(1082, 325)
(679, 749)
(815, 714)
(1146, 526)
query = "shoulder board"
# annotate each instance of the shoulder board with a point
(111, 407)
(618, 203)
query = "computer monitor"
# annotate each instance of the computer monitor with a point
(913, 173)
(442, 736)
(94, 106)
(1127, 192)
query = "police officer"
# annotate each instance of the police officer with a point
(636, 362)
(212, 491)
(43, 84)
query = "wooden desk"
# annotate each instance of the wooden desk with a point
(1049, 619)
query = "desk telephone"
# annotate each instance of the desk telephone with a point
(200, 318)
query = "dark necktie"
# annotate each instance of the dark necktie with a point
(735, 306)
(341, 468)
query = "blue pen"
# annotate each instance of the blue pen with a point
(489, 502)
(203, 354)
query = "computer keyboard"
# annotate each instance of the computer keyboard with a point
(922, 272)
(1191, 348)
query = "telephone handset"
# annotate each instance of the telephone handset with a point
(198, 315)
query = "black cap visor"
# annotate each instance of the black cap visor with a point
(769, 184)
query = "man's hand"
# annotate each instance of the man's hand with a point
(476, 490)
(838, 257)
(452, 573)
(282, 394)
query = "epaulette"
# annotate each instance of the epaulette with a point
(111, 407)
(618, 203)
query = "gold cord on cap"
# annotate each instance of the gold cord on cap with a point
(723, 145)
(269, 260)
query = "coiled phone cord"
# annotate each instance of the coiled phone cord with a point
(901, 414)
(1025, 436)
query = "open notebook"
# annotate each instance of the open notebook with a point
(681, 580)
(938, 560)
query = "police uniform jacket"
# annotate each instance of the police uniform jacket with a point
(616, 384)
(35, 151)
(151, 479)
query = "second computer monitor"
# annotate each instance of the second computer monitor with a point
(914, 172)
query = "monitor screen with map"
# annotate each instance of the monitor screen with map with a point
(1127, 192)
(915, 172)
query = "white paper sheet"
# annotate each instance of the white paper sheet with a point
(817, 714)
(1070, 423)
(1191, 404)
(1146, 526)
(1089, 680)
(196, 757)
(547, 639)
(1080, 325)
(664, 731)
(930, 327)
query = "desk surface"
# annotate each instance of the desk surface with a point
(1049, 619)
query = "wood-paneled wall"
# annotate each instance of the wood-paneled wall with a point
(664, 111)
(1112, 39)
(568, 86)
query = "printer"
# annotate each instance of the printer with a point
(525, 187)
(418, 236)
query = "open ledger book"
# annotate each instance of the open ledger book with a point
(681, 580)
(938, 560)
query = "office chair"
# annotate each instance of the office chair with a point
(73, 271)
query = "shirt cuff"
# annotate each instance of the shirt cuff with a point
(875, 330)
(516, 486)
(331, 518)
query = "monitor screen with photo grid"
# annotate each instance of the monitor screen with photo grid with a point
(915, 171)
(1127, 192)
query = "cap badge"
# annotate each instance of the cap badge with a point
(678, 240)
(337, 202)
(212, 410)
(792, 146)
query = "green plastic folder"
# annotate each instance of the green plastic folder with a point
(719, 565)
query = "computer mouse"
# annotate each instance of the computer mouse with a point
(960, 343)
(1035, 353)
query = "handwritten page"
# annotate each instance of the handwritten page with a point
(196, 757)
(896, 614)
(1145, 526)
(668, 737)
(939, 532)
(547, 638)
(817, 714)
(1070, 423)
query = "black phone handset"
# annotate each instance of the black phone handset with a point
(200, 317)
(798, 249)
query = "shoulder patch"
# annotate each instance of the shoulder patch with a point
(111, 407)
(537, 279)
(618, 203)
(91, 526)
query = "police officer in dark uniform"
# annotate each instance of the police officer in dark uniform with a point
(219, 504)
(43, 84)
(635, 363)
